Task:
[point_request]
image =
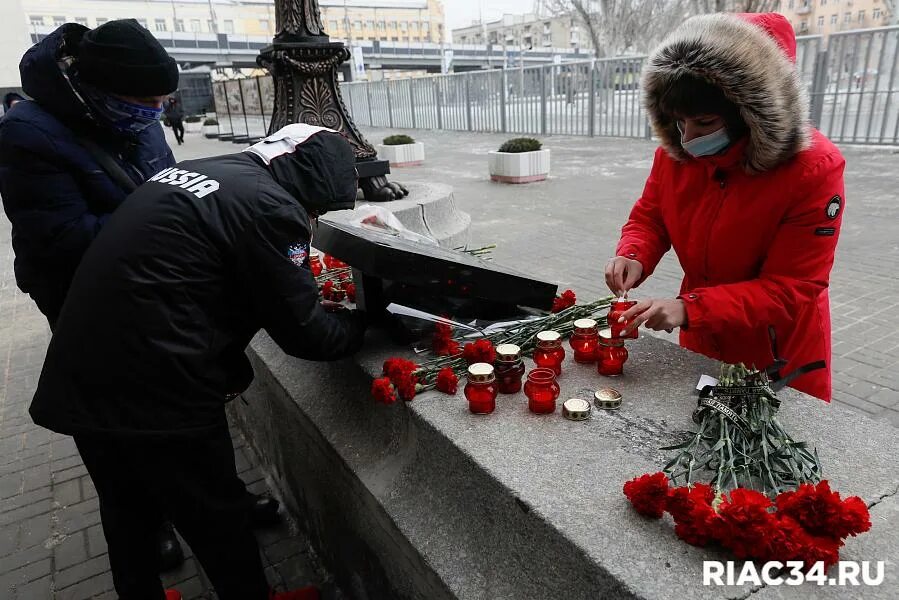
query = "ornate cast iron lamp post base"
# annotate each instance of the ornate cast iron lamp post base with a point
(303, 62)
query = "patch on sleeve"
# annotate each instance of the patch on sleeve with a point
(299, 254)
(826, 231)
(834, 207)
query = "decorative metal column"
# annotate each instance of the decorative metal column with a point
(303, 62)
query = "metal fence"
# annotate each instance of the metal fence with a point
(852, 78)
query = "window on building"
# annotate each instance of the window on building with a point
(357, 25)
(37, 21)
(229, 26)
(823, 2)
(414, 25)
(392, 24)
(404, 26)
(333, 25)
(100, 21)
(847, 17)
(394, 39)
(142, 23)
(211, 25)
(195, 25)
(265, 25)
(382, 25)
(833, 19)
(426, 27)
(81, 21)
(820, 22)
(179, 24)
(861, 16)
(159, 25)
(876, 14)
(369, 24)
(792, 4)
(803, 26)
(59, 21)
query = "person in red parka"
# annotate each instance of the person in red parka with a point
(745, 190)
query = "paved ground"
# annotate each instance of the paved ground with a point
(51, 541)
(51, 544)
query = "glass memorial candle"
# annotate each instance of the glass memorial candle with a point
(549, 353)
(481, 389)
(315, 263)
(509, 368)
(585, 340)
(542, 391)
(611, 354)
(619, 307)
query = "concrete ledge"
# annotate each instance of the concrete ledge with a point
(508, 179)
(428, 501)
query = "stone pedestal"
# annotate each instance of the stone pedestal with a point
(430, 210)
(425, 500)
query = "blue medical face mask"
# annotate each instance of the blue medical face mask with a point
(706, 145)
(121, 115)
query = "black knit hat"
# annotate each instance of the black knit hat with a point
(124, 58)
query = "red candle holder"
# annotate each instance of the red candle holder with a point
(585, 341)
(619, 307)
(315, 263)
(481, 389)
(542, 391)
(611, 354)
(509, 368)
(549, 353)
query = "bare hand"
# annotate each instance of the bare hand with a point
(622, 274)
(656, 314)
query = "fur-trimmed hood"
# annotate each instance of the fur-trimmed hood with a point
(751, 59)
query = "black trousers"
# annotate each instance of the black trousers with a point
(178, 128)
(193, 480)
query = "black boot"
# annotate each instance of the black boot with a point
(264, 511)
(170, 554)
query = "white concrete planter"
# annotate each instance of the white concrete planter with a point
(522, 167)
(211, 131)
(404, 155)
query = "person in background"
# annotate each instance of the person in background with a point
(174, 114)
(150, 345)
(747, 192)
(69, 157)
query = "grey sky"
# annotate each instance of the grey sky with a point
(460, 13)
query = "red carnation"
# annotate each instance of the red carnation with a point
(397, 368)
(745, 523)
(696, 522)
(327, 290)
(351, 292)
(566, 300)
(334, 263)
(443, 343)
(821, 512)
(407, 386)
(790, 541)
(447, 381)
(481, 351)
(337, 294)
(383, 391)
(648, 494)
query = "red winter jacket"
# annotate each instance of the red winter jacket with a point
(754, 228)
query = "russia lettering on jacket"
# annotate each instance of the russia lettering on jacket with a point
(196, 183)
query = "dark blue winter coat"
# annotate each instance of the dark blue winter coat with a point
(56, 195)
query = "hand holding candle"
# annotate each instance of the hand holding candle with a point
(657, 314)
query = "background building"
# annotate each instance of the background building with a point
(14, 40)
(385, 20)
(527, 31)
(823, 17)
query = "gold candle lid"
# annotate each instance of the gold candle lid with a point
(508, 352)
(548, 338)
(576, 409)
(607, 339)
(481, 373)
(607, 399)
(585, 326)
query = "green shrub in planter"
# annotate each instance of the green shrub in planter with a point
(210, 122)
(398, 140)
(193, 119)
(519, 145)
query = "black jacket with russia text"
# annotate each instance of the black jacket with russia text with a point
(151, 338)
